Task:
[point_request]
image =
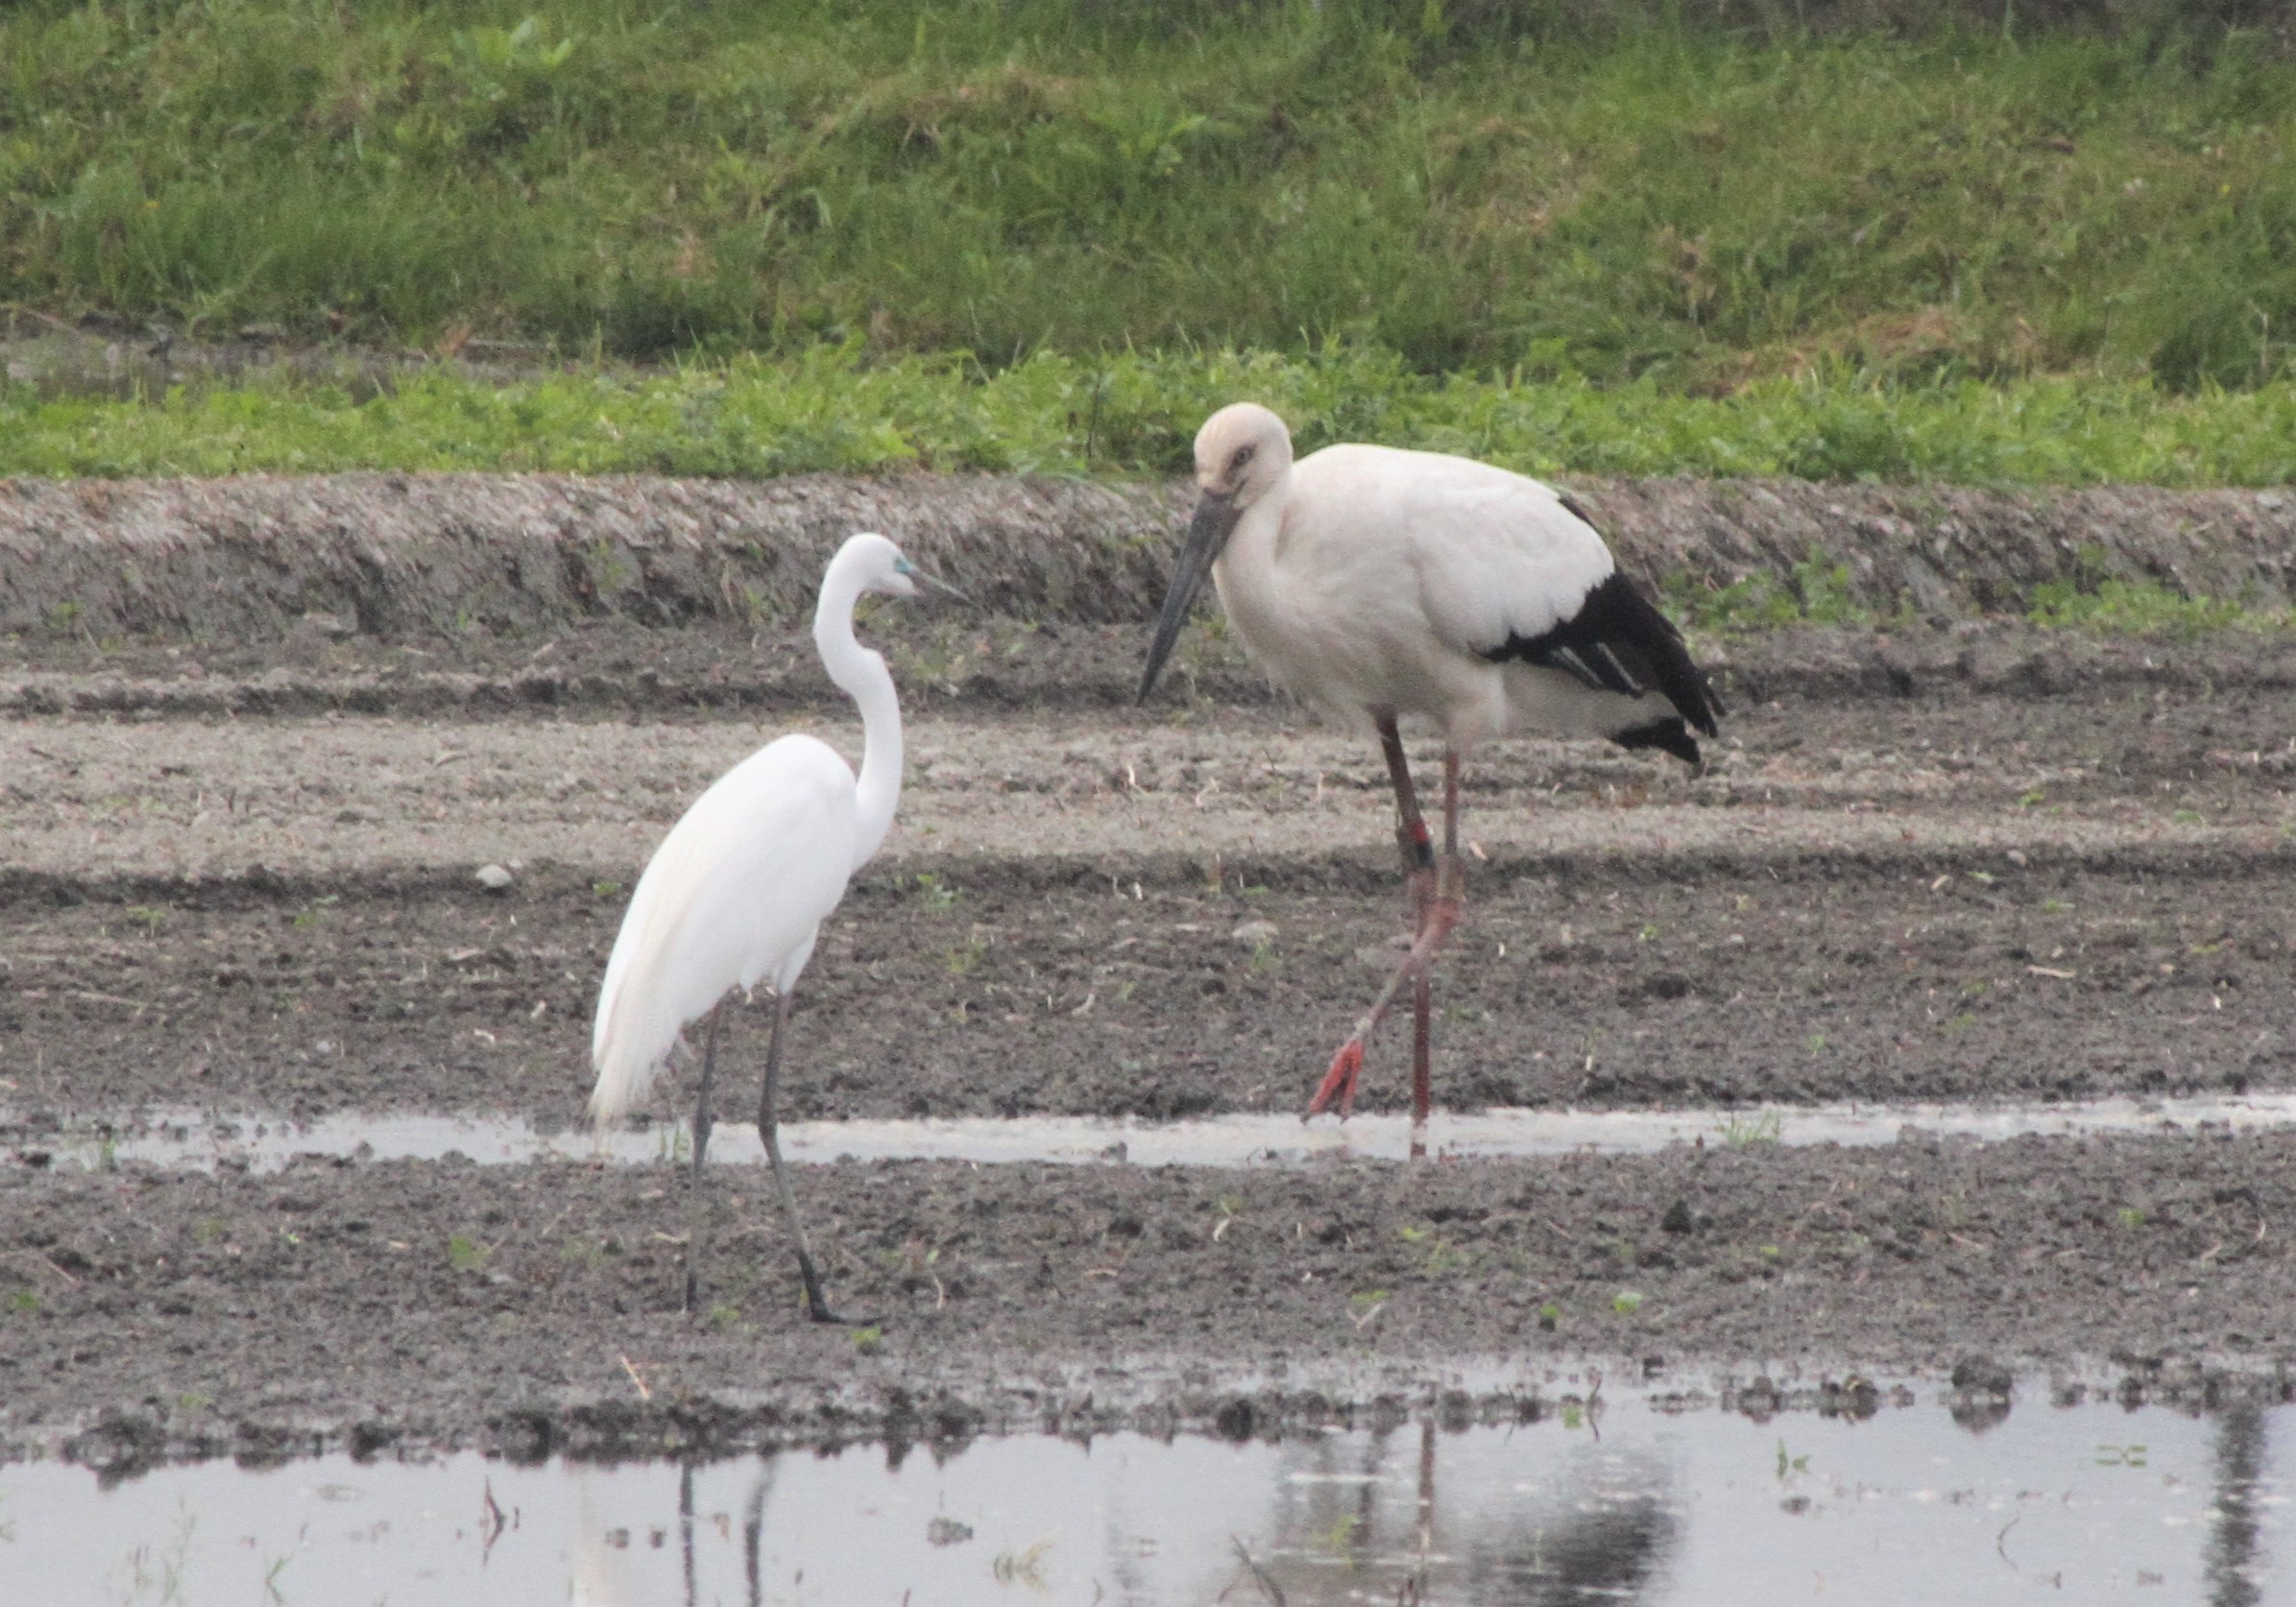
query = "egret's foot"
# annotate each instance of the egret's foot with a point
(817, 1303)
(1347, 1067)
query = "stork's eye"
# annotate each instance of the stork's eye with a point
(1242, 456)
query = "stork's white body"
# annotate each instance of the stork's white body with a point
(1389, 585)
(1371, 581)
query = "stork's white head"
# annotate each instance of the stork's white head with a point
(1241, 453)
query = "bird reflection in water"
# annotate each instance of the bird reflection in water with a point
(1594, 1525)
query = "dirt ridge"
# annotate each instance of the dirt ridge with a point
(399, 556)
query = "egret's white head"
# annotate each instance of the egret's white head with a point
(1242, 454)
(877, 564)
(1241, 451)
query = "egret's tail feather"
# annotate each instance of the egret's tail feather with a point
(626, 1071)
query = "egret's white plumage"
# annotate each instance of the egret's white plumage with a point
(735, 895)
(1386, 584)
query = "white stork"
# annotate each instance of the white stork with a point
(1381, 583)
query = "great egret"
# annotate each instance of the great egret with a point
(1382, 582)
(735, 895)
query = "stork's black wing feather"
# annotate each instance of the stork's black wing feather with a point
(1618, 641)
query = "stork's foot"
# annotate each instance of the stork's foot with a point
(1435, 925)
(1347, 1067)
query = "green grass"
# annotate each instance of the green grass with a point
(1561, 189)
(2149, 608)
(837, 410)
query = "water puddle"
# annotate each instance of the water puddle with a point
(185, 1138)
(1627, 1502)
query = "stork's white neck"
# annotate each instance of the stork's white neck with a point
(1245, 576)
(862, 675)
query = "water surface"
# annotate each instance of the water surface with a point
(180, 1137)
(1629, 1502)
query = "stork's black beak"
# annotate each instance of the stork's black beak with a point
(1208, 533)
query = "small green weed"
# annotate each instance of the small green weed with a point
(1625, 1303)
(464, 1253)
(934, 895)
(869, 1340)
(1763, 1127)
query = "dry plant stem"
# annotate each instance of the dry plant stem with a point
(696, 1220)
(769, 1130)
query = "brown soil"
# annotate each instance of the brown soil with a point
(1949, 862)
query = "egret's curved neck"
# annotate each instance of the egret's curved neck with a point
(863, 677)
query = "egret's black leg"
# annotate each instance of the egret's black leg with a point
(769, 1130)
(696, 1216)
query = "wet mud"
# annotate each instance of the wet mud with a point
(1966, 861)
(535, 1309)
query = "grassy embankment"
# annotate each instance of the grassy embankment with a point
(1697, 206)
(1049, 235)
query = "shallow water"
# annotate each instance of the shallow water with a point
(1627, 1504)
(185, 1138)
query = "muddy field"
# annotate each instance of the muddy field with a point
(1959, 861)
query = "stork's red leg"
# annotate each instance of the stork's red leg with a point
(1437, 890)
(1412, 839)
(1442, 914)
